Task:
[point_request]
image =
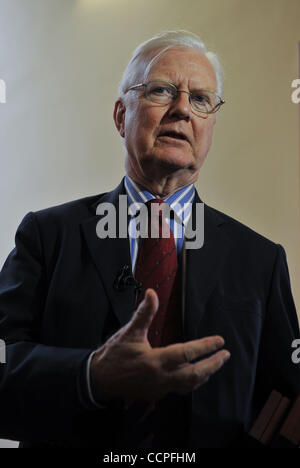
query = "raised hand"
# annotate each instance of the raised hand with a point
(127, 367)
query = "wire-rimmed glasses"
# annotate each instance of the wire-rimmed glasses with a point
(203, 101)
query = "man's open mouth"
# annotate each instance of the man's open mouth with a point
(177, 136)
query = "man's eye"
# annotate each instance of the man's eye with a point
(161, 91)
(201, 99)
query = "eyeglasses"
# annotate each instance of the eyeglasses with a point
(203, 101)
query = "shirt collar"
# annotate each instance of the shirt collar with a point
(179, 201)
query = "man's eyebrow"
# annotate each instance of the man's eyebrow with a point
(192, 89)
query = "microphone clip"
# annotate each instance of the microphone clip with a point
(125, 279)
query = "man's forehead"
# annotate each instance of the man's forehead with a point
(177, 64)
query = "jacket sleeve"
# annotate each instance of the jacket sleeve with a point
(39, 395)
(276, 369)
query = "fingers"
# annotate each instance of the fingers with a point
(190, 377)
(182, 353)
(142, 318)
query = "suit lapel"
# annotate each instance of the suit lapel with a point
(110, 255)
(204, 267)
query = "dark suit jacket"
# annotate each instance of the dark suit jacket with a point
(57, 304)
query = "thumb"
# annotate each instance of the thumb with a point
(144, 314)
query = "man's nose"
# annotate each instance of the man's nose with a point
(181, 106)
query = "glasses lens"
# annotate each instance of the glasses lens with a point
(160, 92)
(204, 101)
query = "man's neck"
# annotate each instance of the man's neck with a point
(162, 188)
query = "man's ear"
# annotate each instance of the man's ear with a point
(119, 116)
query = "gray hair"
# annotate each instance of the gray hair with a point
(161, 43)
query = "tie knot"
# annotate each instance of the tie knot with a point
(158, 207)
(155, 200)
(158, 213)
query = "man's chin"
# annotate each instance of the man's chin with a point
(169, 165)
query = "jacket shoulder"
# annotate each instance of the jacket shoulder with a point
(81, 206)
(240, 231)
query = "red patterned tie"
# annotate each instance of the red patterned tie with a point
(157, 268)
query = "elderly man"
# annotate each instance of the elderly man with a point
(115, 341)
